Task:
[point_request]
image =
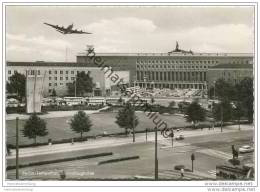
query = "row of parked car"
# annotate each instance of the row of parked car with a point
(12, 102)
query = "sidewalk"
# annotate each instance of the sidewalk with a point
(196, 175)
(117, 141)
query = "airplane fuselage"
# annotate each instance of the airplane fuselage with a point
(69, 29)
(66, 30)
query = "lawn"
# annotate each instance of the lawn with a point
(58, 128)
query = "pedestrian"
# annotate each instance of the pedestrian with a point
(182, 173)
(62, 175)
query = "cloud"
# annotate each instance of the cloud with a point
(38, 41)
(218, 38)
(131, 30)
(18, 48)
(123, 25)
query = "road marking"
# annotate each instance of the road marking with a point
(212, 172)
(216, 153)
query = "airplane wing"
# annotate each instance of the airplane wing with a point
(80, 32)
(59, 29)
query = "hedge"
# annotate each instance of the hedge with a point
(60, 160)
(10, 110)
(179, 167)
(77, 139)
(44, 109)
(118, 159)
(71, 108)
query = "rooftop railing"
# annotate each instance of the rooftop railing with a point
(173, 54)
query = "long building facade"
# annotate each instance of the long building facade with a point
(169, 70)
(176, 69)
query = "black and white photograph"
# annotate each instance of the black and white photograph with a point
(130, 93)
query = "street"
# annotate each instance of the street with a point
(210, 147)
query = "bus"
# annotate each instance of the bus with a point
(114, 101)
(70, 101)
(95, 100)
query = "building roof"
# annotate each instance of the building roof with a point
(46, 64)
(233, 66)
(174, 54)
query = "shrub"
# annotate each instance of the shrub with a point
(118, 159)
(234, 161)
(179, 167)
(10, 110)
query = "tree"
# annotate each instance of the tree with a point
(80, 123)
(17, 85)
(195, 113)
(172, 104)
(211, 92)
(120, 100)
(53, 93)
(222, 111)
(84, 84)
(126, 118)
(238, 112)
(224, 90)
(152, 100)
(34, 126)
(245, 95)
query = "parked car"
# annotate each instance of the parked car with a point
(180, 137)
(246, 149)
(12, 102)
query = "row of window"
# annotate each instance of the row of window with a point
(56, 84)
(29, 72)
(170, 76)
(176, 61)
(169, 67)
(32, 72)
(61, 72)
(61, 78)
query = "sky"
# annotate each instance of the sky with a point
(123, 29)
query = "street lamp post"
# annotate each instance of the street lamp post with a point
(146, 134)
(221, 116)
(192, 159)
(17, 148)
(133, 122)
(214, 90)
(156, 157)
(75, 86)
(134, 117)
(145, 86)
(172, 135)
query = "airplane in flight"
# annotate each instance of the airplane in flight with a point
(67, 30)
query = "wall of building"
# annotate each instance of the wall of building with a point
(57, 77)
(117, 63)
(159, 70)
(162, 70)
(231, 75)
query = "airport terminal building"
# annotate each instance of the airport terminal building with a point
(176, 69)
